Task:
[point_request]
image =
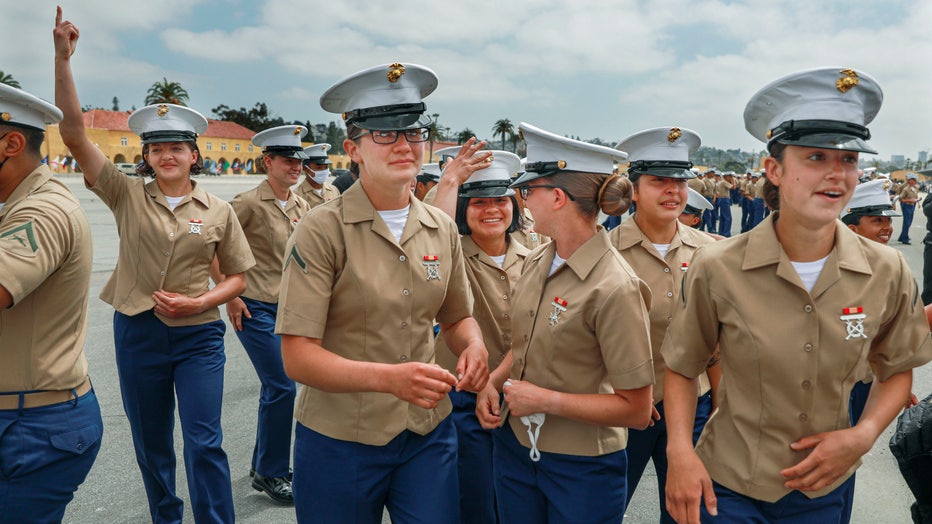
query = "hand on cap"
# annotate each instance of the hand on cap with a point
(467, 161)
(65, 36)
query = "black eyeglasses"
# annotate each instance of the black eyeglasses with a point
(390, 137)
(526, 190)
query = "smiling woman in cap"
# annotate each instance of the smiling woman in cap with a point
(364, 278)
(167, 328)
(581, 369)
(835, 303)
(659, 250)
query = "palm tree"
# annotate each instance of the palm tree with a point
(9, 80)
(503, 127)
(166, 92)
(464, 135)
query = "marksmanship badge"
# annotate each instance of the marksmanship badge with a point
(432, 263)
(559, 306)
(854, 321)
(195, 226)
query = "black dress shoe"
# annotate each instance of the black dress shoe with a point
(279, 488)
(252, 472)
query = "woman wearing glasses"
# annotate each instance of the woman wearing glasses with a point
(582, 367)
(364, 278)
(780, 447)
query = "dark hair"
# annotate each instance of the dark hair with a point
(34, 137)
(517, 220)
(852, 219)
(144, 169)
(593, 192)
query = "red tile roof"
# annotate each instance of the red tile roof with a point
(116, 121)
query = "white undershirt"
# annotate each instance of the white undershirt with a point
(500, 260)
(662, 249)
(320, 192)
(395, 220)
(809, 271)
(1, 204)
(173, 201)
(555, 265)
(283, 203)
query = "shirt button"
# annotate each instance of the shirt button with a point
(669, 293)
(808, 347)
(171, 235)
(404, 325)
(807, 384)
(504, 297)
(808, 308)
(666, 270)
(404, 358)
(501, 277)
(507, 316)
(405, 292)
(669, 319)
(402, 258)
(162, 273)
(803, 417)
(168, 253)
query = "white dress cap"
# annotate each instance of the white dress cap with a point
(18, 107)
(548, 154)
(912, 176)
(167, 123)
(317, 153)
(661, 151)
(384, 98)
(695, 202)
(871, 199)
(828, 108)
(494, 180)
(282, 140)
(431, 170)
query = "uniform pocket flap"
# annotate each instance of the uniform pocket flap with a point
(77, 441)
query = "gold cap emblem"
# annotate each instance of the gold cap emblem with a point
(344, 116)
(769, 133)
(395, 71)
(6, 116)
(297, 130)
(886, 185)
(561, 164)
(521, 134)
(674, 134)
(848, 81)
(163, 109)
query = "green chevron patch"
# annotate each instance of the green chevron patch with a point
(294, 255)
(21, 237)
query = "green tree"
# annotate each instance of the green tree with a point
(166, 92)
(259, 118)
(335, 137)
(9, 80)
(116, 104)
(463, 136)
(504, 128)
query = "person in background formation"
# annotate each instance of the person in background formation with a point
(364, 278)
(526, 235)
(723, 189)
(692, 213)
(166, 325)
(747, 200)
(485, 210)
(659, 249)
(314, 188)
(426, 180)
(709, 218)
(842, 303)
(927, 252)
(756, 192)
(268, 214)
(909, 195)
(581, 369)
(49, 412)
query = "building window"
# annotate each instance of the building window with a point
(250, 148)
(236, 147)
(210, 146)
(124, 141)
(223, 146)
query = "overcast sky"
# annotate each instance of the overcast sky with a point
(601, 69)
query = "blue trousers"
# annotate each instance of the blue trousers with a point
(414, 476)
(45, 454)
(723, 210)
(155, 363)
(272, 452)
(651, 444)
(757, 212)
(477, 494)
(559, 488)
(745, 215)
(708, 220)
(856, 403)
(794, 508)
(908, 211)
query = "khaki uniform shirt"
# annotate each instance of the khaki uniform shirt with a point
(347, 281)
(664, 276)
(697, 185)
(267, 227)
(526, 236)
(327, 193)
(492, 289)
(722, 189)
(757, 188)
(908, 192)
(45, 265)
(430, 195)
(601, 342)
(790, 357)
(708, 188)
(162, 249)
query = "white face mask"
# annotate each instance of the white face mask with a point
(320, 176)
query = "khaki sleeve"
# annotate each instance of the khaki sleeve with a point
(233, 251)
(693, 334)
(458, 300)
(622, 328)
(311, 268)
(112, 185)
(902, 343)
(242, 209)
(34, 241)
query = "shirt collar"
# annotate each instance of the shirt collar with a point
(33, 181)
(585, 258)
(357, 208)
(630, 234)
(513, 253)
(153, 190)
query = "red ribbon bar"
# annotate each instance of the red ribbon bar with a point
(560, 301)
(197, 221)
(852, 310)
(431, 258)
